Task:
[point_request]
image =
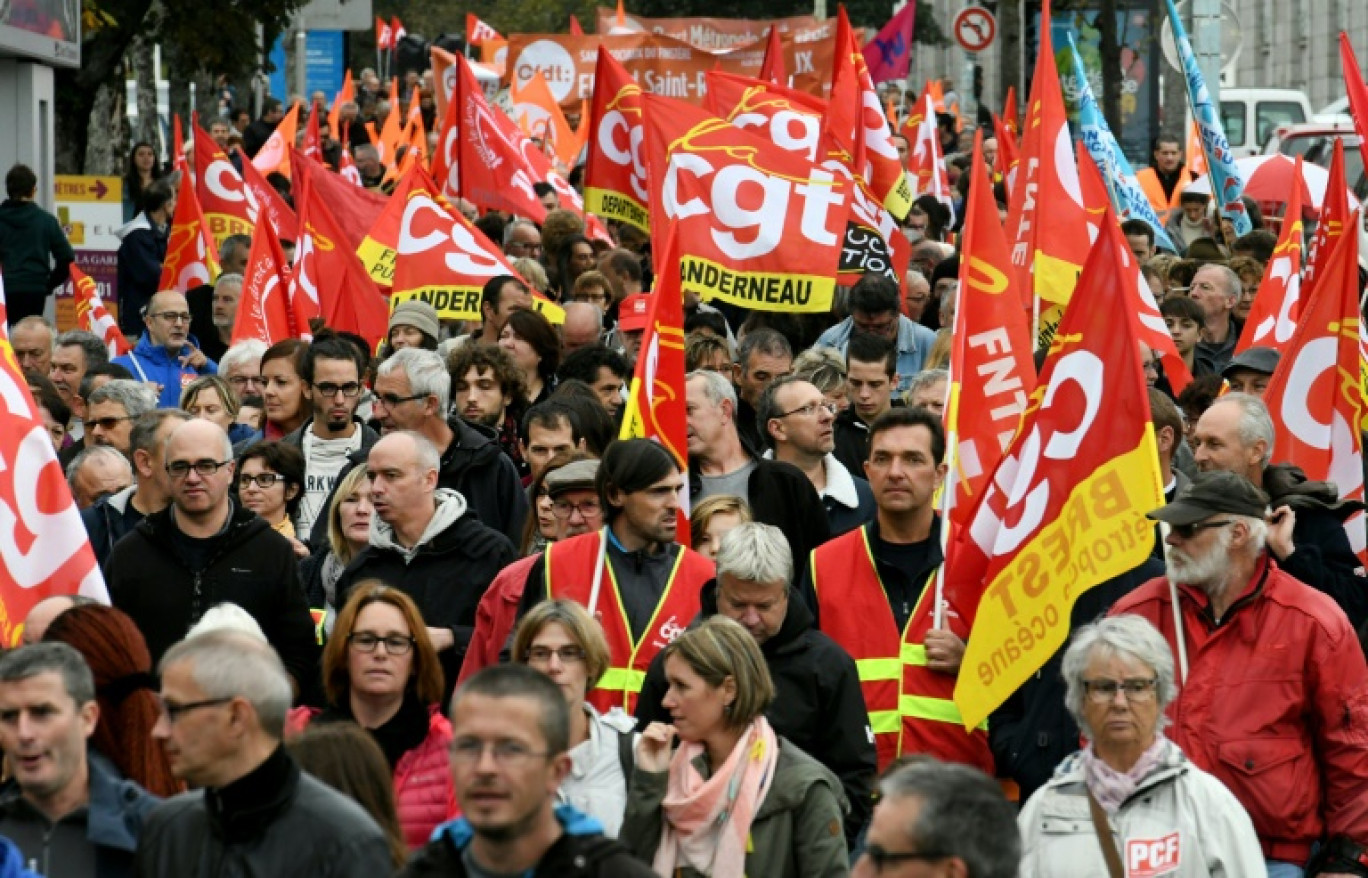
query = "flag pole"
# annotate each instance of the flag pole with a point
(947, 496)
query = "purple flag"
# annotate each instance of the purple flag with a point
(889, 54)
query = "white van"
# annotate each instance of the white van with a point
(1250, 116)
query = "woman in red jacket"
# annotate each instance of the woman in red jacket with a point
(381, 672)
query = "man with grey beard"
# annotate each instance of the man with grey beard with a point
(1273, 689)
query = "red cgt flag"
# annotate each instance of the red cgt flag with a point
(273, 207)
(443, 259)
(925, 164)
(328, 279)
(991, 369)
(354, 209)
(615, 183)
(492, 167)
(1354, 87)
(772, 66)
(229, 207)
(1314, 396)
(263, 309)
(313, 137)
(191, 259)
(1273, 316)
(756, 225)
(1065, 509)
(92, 316)
(43, 547)
(1334, 215)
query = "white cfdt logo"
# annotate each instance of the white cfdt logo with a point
(554, 63)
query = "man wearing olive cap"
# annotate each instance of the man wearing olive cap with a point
(1273, 695)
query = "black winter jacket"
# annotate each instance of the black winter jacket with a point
(782, 496)
(1321, 555)
(1032, 732)
(251, 566)
(275, 821)
(141, 254)
(474, 467)
(34, 251)
(817, 703)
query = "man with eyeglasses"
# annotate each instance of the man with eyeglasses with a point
(427, 542)
(778, 493)
(111, 411)
(65, 806)
(799, 428)
(333, 367)
(509, 755)
(224, 697)
(114, 516)
(939, 818)
(167, 356)
(205, 549)
(1273, 688)
(875, 308)
(522, 238)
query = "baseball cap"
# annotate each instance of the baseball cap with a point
(1263, 360)
(1212, 493)
(634, 312)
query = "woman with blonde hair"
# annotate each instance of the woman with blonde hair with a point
(735, 798)
(381, 672)
(560, 639)
(712, 518)
(349, 518)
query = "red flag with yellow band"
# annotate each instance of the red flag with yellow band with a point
(615, 184)
(1065, 509)
(92, 316)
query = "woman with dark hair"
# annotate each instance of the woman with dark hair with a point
(381, 672)
(532, 342)
(142, 169)
(270, 482)
(347, 759)
(574, 258)
(125, 691)
(283, 391)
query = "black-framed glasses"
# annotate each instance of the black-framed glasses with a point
(810, 409)
(564, 508)
(261, 480)
(173, 711)
(1137, 690)
(883, 859)
(1188, 531)
(174, 316)
(350, 390)
(390, 400)
(179, 469)
(108, 423)
(395, 644)
(540, 655)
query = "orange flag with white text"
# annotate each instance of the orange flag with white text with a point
(91, 315)
(263, 309)
(1046, 223)
(1314, 396)
(274, 155)
(991, 369)
(1273, 316)
(45, 551)
(191, 259)
(1065, 509)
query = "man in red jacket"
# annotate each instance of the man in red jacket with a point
(1274, 692)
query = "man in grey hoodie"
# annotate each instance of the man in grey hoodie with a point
(426, 542)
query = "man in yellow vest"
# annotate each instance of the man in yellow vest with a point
(632, 575)
(873, 590)
(1166, 177)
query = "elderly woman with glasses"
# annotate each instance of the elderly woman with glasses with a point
(1130, 798)
(560, 639)
(381, 672)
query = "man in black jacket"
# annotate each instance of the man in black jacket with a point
(253, 812)
(511, 730)
(425, 541)
(260, 131)
(205, 550)
(1236, 434)
(818, 704)
(34, 251)
(141, 253)
(719, 463)
(109, 520)
(413, 392)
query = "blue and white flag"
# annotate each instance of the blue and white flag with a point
(1226, 183)
(1126, 195)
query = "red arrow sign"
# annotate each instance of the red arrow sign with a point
(100, 189)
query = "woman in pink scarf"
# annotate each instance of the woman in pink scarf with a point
(735, 799)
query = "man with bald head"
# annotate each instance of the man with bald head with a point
(583, 326)
(205, 549)
(426, 542)
(97, 472)
(167, 356)
(32, 340)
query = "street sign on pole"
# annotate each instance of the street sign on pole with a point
(975, 28)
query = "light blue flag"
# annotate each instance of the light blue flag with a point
(1126, 195)
(1226, 183)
